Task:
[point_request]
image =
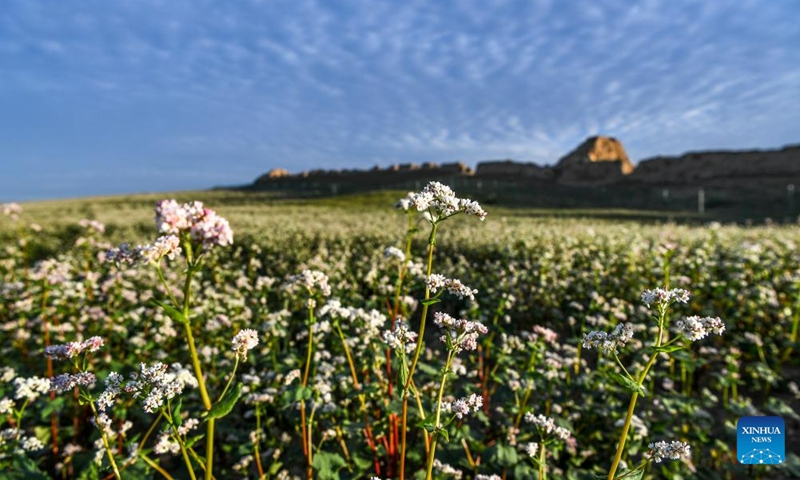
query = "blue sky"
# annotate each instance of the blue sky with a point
(101, 97)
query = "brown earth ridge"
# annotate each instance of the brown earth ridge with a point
(598, 161)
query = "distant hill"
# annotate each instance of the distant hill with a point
(597, 161)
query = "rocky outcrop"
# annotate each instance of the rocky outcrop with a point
(720, 167)
(596, 150)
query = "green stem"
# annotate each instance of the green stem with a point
(106, 445)
(417, 352)
(209, 449)
(437, 418)
(542, 462)
(349, 357)
(230, 379)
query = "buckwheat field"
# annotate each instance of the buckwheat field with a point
(433, 338)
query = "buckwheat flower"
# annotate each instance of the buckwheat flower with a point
(400, 338)
(545, 333)
(12, 211)
(312, 280)
(672, 450)
(696, 328)
(188, 425)
(166, 246)
(31, 444)
(92, 225)
(531, 448)
(6, 405)
(481, 476)
(113, 389)
(405, 202)
(124, 255)
(244, 341)
(463, 406)
(440, 202)
(154, 385)
(661, 297)
(291, 376)
(7, 374)
(447, 469)
(459, 334)
(547, 426)
(436, 282)
(72, 349)
(394, 254)
(166, 445)
(608, 342)
(66, 381)
(30, 388)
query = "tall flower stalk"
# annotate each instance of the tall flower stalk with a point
(437, 203)
(691, 328)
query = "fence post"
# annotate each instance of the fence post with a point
(701, 201)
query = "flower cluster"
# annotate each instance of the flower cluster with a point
(454, 286)
(203, 225)
(547, 426)
(124, 255)
(92, 225)
(608, 342)
(462, 406)
(312, 280)
(244, 341)
(695, 328)
(394, 254)
(440, 202)
(12, 211)
(154, 384)
(672, 450)
(30, 388)
(400, 337)
(72, 349)
(459, 334)
(165, 246)
(113, 388)
(66, 381)
(661, 297)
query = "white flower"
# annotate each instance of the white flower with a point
(6, 405)
(531, 449)
(439, 202)
(661, 297)
(244, 341)
(30, 388)
(608, 342)
(547, 426)
(462, 406)
(459, 334)
(696, 328)
(673, 450)
(436, 282)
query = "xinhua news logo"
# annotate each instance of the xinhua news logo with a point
(761, 440)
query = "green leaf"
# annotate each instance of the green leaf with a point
(224, 406)
(427, 425)
(635, 474)
(442, 432)
(90, 473)
(507, 456)
(668, 348)
(431, 301)
(327, 465)
(176, 413)
(173, 312)
(626, 382)
(24, 468)
(303, 393)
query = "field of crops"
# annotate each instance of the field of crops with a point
(352, 338)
